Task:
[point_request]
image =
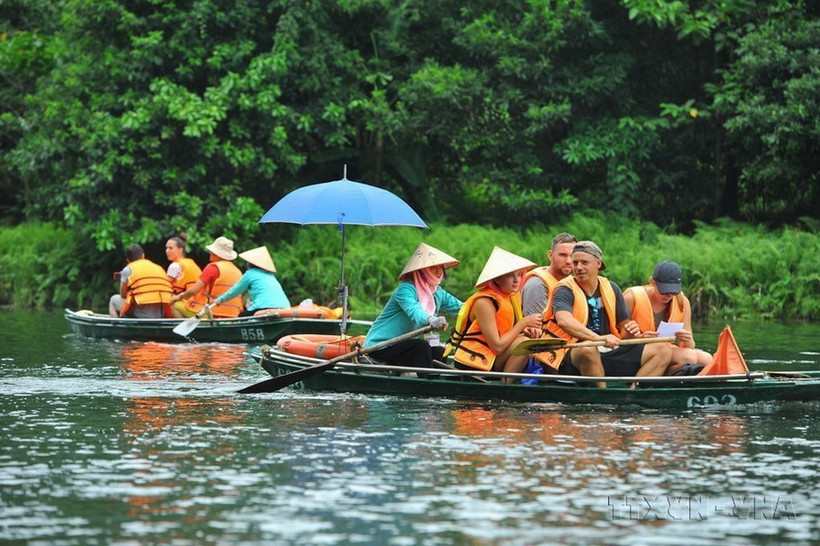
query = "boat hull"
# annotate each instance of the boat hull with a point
(672, 396)
(262, 329)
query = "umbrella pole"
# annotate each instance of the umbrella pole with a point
(342, 285)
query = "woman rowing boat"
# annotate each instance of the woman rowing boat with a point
(416, 302)
(491, 324)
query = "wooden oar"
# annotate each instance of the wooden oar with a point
(282, 381)
(540, 345)
(187, 326)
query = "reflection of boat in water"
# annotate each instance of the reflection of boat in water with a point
(657, 392)
(153, 361)
(256, 329)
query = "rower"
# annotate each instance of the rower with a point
(586, 306)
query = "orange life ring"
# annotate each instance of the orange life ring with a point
(319, 345)
(314, 311)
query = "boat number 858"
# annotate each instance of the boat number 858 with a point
(709, 400)
(252, 334)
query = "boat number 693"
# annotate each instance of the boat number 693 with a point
(252, 334)
(709, 400)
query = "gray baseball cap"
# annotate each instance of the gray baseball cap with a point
(668, 277)
(592, 249)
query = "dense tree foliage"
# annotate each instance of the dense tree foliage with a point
(134, 120)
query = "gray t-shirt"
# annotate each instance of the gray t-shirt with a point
(563, 299)
(534, 296)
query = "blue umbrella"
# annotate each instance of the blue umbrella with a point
(343, 202)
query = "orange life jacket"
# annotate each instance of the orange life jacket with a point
(147, 284)
(580, 310)
(544, 274)
(190, 274)
(229, 275)
(643, 314)
(468, 341)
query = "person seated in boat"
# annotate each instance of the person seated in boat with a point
(541, 281)
(589, 307)
(217, 278)
(259, 283)
(663, 300)
(419, 300)
(182, 271)
(491, 324)
(145, 291)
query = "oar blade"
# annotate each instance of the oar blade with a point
(186, 327)
(538, 345)
(281, 381)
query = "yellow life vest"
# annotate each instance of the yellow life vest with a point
(468, 341)
(190, 274)
(544, 274)
(229, 275)
(642, 312)
(147, 284)
(580, 310)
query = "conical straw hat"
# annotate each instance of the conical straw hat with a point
(260, 257)
(427, 256)
(500, 263)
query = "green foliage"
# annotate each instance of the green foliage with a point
(731, 270)
(44, 266)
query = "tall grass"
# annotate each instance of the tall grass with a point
(731, 270)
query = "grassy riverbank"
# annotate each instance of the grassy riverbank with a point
(731, 270)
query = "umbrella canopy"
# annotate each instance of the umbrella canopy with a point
(343, 203)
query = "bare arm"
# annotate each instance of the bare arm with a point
(484, 312)
(573, 327)
(196, 287)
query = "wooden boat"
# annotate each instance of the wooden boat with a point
(259, 329)
(368, 376)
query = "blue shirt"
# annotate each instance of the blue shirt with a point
(264, 290)
(403, 313)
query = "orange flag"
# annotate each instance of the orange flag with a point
(727, 359)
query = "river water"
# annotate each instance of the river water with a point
(130, 443)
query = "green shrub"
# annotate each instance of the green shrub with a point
(731, 270)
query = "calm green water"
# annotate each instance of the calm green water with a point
(146, 443)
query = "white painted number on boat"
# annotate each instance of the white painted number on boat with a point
(709, 400)
(252, 334)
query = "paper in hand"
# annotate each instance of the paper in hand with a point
(669, 329)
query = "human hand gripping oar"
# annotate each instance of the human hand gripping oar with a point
(189, 325)
(540, 345)
(279, 382)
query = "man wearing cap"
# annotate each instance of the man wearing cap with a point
(589, 307)
(418, 301)
(217, 278)
(541, 281)
(259, 282)
(663, 300)
(145, 290)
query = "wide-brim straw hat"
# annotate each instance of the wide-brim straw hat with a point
(500, 263)
(222, 247)
(260, 257)
(427, 256)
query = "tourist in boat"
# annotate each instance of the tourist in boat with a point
(663, 300)
(259, 284)
(145, 291)
(418, 301)
(491, 323)
(217, 278)
(589, 307)
(182, 271)
(541, 281)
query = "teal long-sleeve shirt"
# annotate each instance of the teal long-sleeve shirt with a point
(264, 290)
(403, 313)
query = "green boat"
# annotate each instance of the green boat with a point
(261, 329)
(371, 377)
